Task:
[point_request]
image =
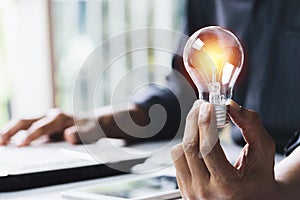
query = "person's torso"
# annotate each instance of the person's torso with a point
(270, 33)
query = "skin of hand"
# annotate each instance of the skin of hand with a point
(202, 169)
(58, 125)
(287, 173)
(52, 125)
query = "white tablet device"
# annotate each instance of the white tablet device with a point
(141, 188)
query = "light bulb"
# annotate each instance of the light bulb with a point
(214, 57)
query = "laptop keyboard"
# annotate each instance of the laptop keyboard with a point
(14, 160)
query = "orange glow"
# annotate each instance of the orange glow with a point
(218, 48)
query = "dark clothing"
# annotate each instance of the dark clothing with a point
(292, 144)
(269, 31)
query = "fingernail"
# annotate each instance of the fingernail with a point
(176, 152)
(196, 104)
(21, 145)
(204, 108)
(234, 106)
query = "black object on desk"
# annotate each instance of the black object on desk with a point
(46, 178)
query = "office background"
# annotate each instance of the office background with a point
(43, 44)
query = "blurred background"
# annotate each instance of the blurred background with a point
(43, 44)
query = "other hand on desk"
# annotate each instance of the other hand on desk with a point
(56, 125)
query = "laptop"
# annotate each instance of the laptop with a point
(56, 163)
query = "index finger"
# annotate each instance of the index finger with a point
(191, 146)
(212, 152)
(45, 126)
(14, 127)
(35, 134)
(249, 122)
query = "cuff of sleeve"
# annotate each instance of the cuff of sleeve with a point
(293, 143)
(153, 94)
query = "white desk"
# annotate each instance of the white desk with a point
(53, 192)
(159, 161)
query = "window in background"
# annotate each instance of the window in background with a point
(25, 78)
(79, 26)
(5, 85)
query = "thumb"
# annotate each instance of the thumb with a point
(71, 135)
(250, 124)
(83, 132)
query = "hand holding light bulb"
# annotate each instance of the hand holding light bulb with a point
(214, 57)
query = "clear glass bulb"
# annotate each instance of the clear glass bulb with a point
(214, 57)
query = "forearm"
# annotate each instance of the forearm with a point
(110, 119)
(287, 174)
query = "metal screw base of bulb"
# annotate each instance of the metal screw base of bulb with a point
(221, 114)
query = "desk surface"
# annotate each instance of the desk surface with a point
(161, 159)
